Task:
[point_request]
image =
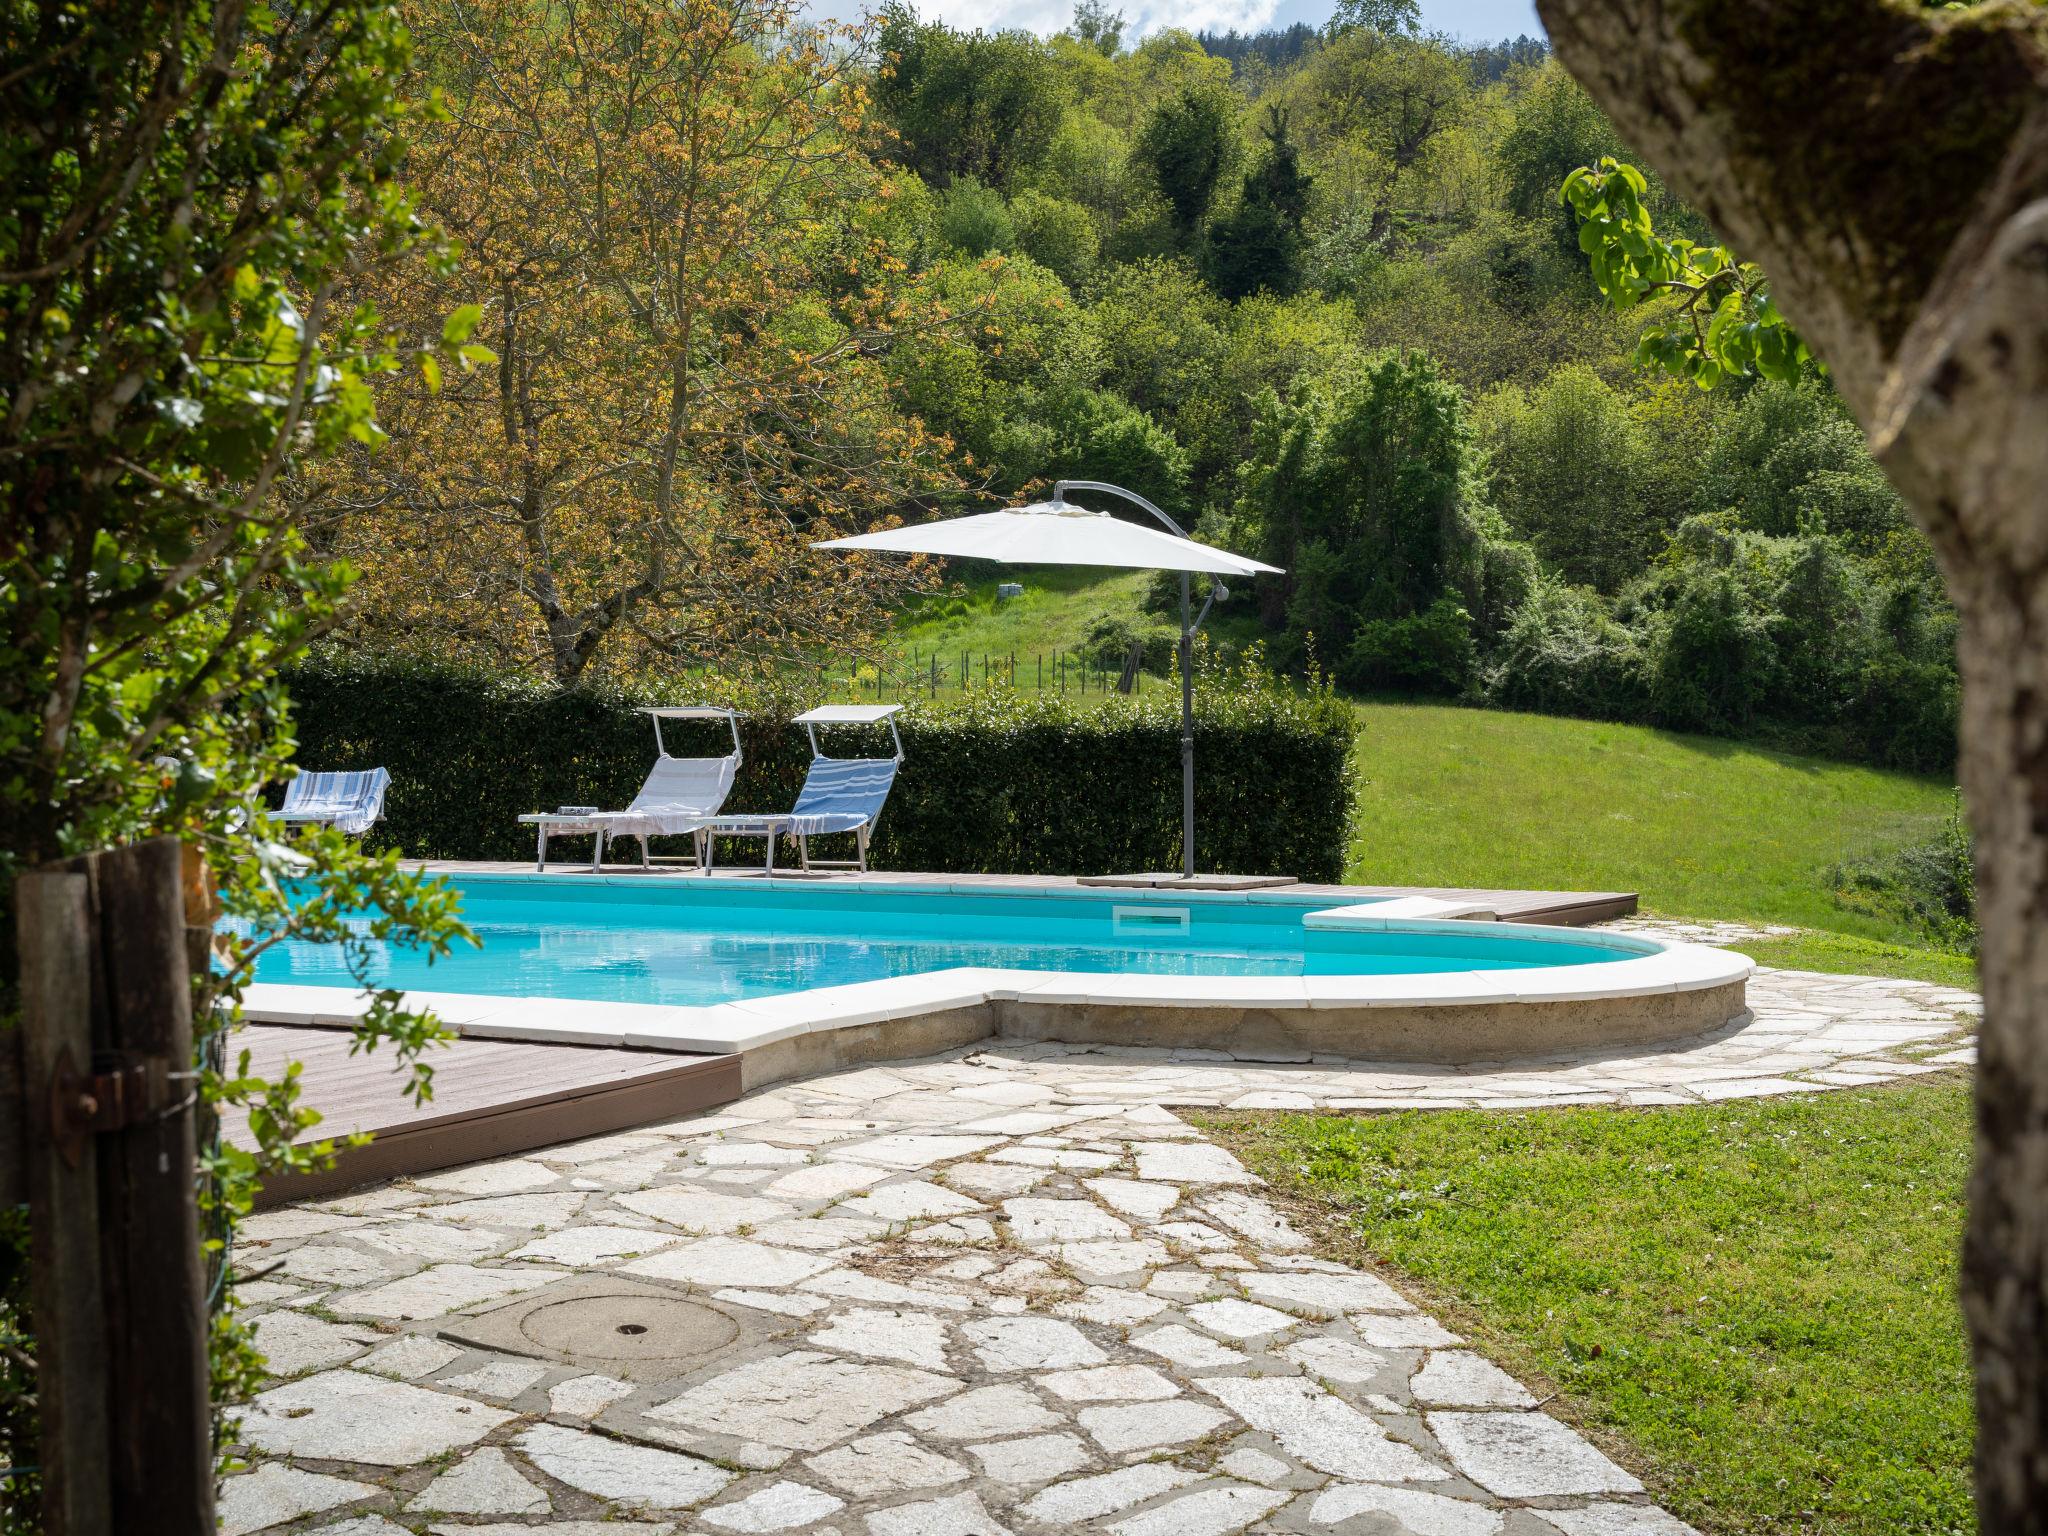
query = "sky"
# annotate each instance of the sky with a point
(1473, 20)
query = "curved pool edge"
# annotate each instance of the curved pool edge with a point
(1667, 992)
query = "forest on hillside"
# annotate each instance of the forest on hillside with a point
(1314, 291)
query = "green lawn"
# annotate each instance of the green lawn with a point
(1752, 1305)
(1846, 955)
(1699, 827)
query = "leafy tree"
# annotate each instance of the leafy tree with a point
(1099, 27)
(974, 219)
(1572, 472)
(966, 103)
(1361, 490)
(1258, 244)
(1188, 144)
(1788, 459)
(1019, 388)
(1369, 107)
(1384, 16)
(687, 393)
(184, 182)
(1057, 234)
(1162, 332)
(1553, 128)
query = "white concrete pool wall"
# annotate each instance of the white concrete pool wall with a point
(1662, 991)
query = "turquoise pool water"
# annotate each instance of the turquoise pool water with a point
(714, 941)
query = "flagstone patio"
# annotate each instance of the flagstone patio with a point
(1005, 1290)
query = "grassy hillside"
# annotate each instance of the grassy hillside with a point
(1699, 826)
(1058, 605)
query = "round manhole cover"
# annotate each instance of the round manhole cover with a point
(628, 1327)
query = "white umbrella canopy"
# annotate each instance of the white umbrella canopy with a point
(1056, 533)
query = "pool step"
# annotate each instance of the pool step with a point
(1377, 914)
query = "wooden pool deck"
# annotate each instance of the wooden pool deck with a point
(493, 1098)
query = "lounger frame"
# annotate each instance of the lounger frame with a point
(548, 824)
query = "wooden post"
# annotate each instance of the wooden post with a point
(158, 1388)
(53, 914)
(13, 1122)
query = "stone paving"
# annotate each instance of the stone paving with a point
(1002, 1291)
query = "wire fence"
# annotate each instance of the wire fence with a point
(926, 674)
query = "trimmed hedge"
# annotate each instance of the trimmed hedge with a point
(993, 781)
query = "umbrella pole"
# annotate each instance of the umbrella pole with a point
(1187, 732)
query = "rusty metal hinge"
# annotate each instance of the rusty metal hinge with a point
(120, 1091)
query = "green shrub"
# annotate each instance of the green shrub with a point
(973, 219)
(1110, 640)
(993, 781)
(1930, 886)
(1427, 652)
(1564, 654)
(1713, 659)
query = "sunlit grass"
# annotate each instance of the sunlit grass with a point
(1752, 1304)
(1697, 826)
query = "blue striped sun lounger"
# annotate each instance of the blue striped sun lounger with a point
(840, 794)
(352, 801)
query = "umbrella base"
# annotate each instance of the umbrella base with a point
(1190, 882)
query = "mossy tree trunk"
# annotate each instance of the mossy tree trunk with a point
(1888, 167)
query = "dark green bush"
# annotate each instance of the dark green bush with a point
(1427, 652)
(1714, 658)
(1110, 640)
(1931, 886)
(1564, 654)
(993, 782)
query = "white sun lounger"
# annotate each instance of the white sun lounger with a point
(840, 794)
(352, 801)
(678, 797)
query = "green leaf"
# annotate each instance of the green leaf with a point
(430, 370)
(456, 328)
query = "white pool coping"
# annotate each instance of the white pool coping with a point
(1655, 967)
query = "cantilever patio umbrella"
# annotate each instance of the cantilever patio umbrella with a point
(1057, 532)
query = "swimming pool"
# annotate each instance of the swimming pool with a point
(712, 942)
(797, 976)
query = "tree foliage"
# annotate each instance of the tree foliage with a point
(967, 103)
(685, 261)
(1362, 492)
(1721, 321)
(187, 185)
(1259, 244)
(1189, 143)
